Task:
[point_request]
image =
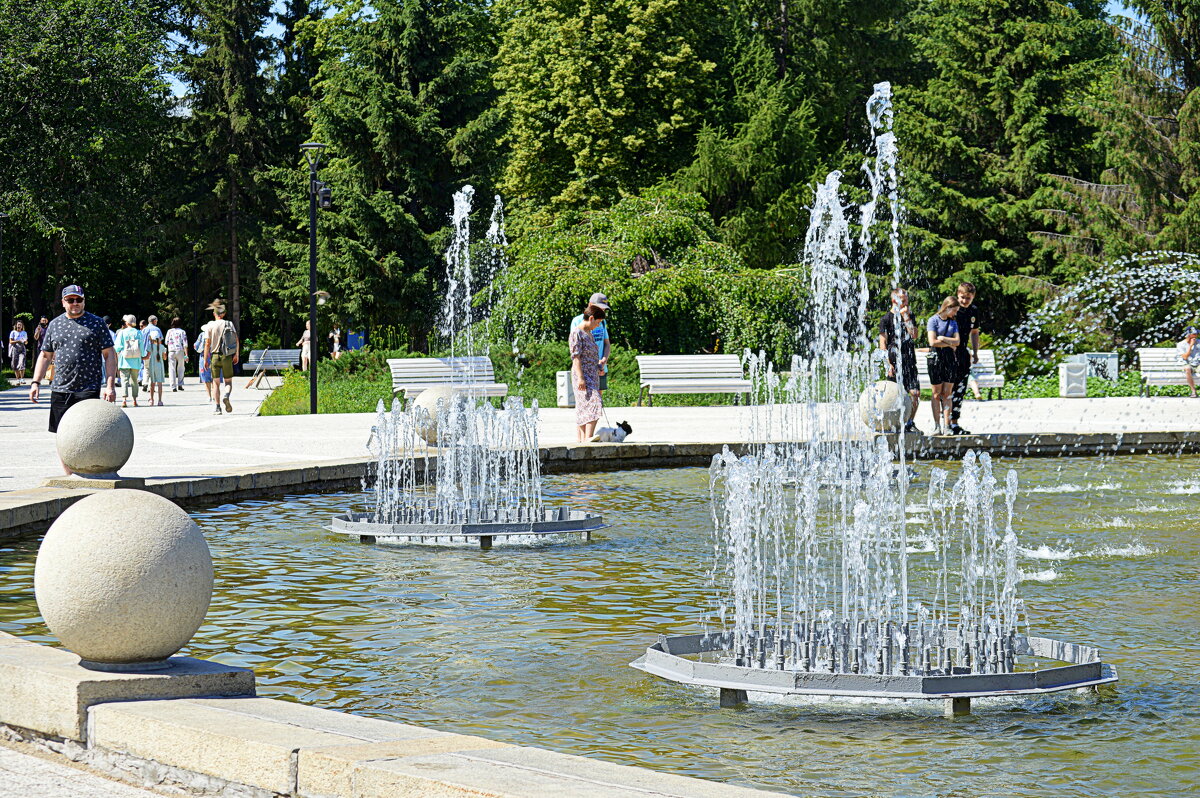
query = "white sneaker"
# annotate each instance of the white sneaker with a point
(217, 411)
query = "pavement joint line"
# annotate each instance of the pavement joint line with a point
(560, 774)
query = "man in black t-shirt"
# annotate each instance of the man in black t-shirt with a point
(968, 319)
(77, 343)
(897, 337)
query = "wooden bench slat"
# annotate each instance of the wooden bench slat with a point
(1160, 366)
(679, 374)
(412, 375)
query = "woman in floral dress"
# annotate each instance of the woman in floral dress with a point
(585, 369)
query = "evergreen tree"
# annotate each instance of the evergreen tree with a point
(224, 143)
(997, 113)
(402, 97)
(602, 97)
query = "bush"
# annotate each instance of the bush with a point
(672, 287)
(1129, 383)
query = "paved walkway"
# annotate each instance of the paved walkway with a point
(27, 776)
(184, 438)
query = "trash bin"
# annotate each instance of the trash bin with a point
(1072, 380)
(566, 391)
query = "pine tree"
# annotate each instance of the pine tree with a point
(997, 113)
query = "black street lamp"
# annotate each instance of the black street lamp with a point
(318, 194)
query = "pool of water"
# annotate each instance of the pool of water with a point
(531, 646)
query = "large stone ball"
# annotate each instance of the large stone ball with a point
(123, 576)
(884, 406)
(95, 438)
(432, 400)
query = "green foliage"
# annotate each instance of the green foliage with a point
(1129, 383)
(997, 112)
(602, 97)
(692, 293)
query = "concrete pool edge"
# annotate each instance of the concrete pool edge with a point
(27, 513)
(164, 730)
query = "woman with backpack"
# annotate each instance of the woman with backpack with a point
(131, 349)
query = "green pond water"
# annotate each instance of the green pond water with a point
(531, 645)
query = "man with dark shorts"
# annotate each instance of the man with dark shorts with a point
(898, 322)
(78, 343)
(968, 319)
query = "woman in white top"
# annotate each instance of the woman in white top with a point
(305, 346)
(18, 340)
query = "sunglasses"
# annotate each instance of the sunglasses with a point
(74, 300)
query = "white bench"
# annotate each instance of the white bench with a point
(262, 360)
(1160, 366)
(276, 359)
(984, 372)
(664, 374)
(414, 374)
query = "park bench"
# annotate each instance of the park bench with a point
(414, 374)
(984, 372)
(664, 374)
(261, 361)
(1160, 366)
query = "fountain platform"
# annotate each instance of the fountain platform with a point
(672, 658)
(483, 528)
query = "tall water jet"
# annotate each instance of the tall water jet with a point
(813, 589)
(484, 484)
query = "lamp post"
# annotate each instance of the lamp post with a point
(318, 193)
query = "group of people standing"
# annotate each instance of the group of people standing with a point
(952, 338)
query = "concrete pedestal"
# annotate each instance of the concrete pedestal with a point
(47, 691)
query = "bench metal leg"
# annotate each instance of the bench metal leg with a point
(641, 391)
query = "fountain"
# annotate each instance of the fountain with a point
(814, 591)
(485, 485)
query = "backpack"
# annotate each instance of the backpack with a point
(132, 348)
(226, 343)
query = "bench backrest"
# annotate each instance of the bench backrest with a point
(1159, 359)
(986, 365)
(441, 370)
(682, 367)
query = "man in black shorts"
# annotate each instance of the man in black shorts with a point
(898, 323)
(968, 319)
(77, 343)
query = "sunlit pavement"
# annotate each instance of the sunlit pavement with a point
(184, 437)
(23, 775)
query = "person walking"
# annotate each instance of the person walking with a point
(75, 343)
(156, 364)
(585, 366)
(967, 353)
(335, 343)
(18, 342)
(177, 358)
(898, 338)
(600, 334)
(305, 344)
(131, 354)
(38, 332)
(203, 365)
(942, 332)
(221, 351)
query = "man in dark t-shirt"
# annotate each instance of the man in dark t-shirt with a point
(77, 342)
(968, 319)
(897, 337)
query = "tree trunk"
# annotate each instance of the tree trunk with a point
(235, 285)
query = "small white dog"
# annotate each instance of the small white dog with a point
(615, 434)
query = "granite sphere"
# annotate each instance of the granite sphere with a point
(884, 406)
(94, 438)
(432, 400)
(123, 576)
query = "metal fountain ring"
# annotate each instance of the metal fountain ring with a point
(669, 659)
(551, 522)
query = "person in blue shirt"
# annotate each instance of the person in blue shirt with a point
(600, 334)
(942, 333)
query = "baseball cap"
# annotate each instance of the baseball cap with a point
(599, 300)
(72, 290)
(1191, 331)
